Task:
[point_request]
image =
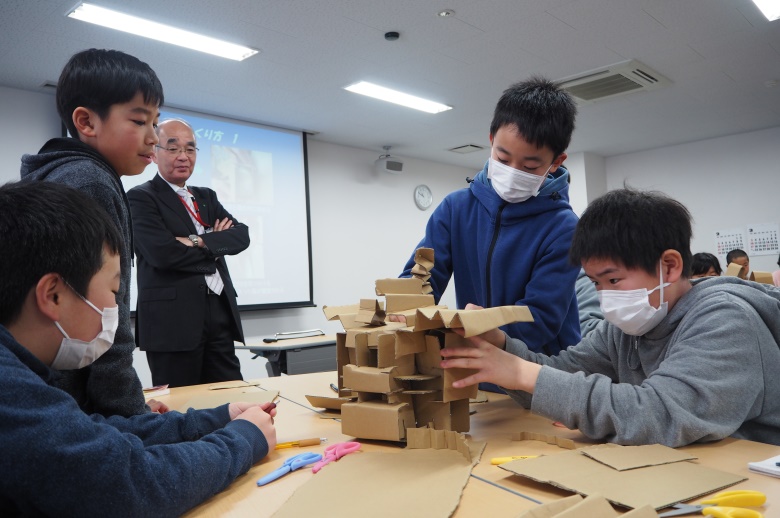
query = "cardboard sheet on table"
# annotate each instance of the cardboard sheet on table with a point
(575, 506)
(380, 484)
(330, 403)
(230, 396)
(631, 457)
(656, 486)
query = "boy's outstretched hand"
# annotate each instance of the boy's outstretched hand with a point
(259, 415)
(492, 365)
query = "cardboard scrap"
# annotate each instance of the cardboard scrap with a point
(762, 277)
(424, 482)
(377, 420)
(561, 442)
(473, 322)
(575, 506)
(230, 396)
(371, 312)
(409, 286)
(732, 270)
(333, 312)
(631, 457)
(403, 302)
(424, 438)
(331, 403)
(658, 486)
(424, 258)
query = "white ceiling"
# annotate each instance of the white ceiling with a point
(719, 55)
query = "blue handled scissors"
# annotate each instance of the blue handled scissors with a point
(291, 464)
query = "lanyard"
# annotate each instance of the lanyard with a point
(195, 214)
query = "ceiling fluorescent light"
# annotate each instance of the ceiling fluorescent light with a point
(394, 96)
(157, 31)
(770, 8)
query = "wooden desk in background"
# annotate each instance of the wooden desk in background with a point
(296, 355)
(494, 423)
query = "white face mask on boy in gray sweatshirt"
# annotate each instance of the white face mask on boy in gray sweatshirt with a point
(630, 310)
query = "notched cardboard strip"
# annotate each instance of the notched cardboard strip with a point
(472, 321)
(424, 438)
(561, 442)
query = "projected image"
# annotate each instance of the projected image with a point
(242, 175)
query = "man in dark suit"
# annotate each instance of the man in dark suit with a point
(186, 316)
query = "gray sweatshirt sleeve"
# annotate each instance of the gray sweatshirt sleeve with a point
(703, 387)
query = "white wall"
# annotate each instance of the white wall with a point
(27, 120)
(725, 182)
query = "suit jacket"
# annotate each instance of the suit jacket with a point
(171, 276)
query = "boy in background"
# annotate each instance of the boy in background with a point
(59, 277)
(740, 258)
(505, 239)
(109, 101)
(676, 362)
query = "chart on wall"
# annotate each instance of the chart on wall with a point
(762, 239)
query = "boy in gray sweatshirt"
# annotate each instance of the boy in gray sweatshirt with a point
(676, 362)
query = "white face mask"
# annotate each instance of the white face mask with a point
(76, 354)
(514, 185)
(630, 310)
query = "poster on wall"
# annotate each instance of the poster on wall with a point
(728, 240)
(762, 239)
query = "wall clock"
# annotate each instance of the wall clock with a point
(423, 197)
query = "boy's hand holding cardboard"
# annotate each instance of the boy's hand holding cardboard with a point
(492, 365)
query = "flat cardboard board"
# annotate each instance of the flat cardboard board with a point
(631, 457)
(473, 321)
(409, 286)
(657, 486)
(410, 482)
(230, 396)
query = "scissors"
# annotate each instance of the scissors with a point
(728, 504)
(335, 452)
(291, 464)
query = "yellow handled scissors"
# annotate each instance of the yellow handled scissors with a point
(729, 504)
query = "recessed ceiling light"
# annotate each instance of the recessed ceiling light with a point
(447, 12)
(157, 31)
(770, 8)
(394, 96)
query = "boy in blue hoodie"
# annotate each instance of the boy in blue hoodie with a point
(59, 277)
(109, 101)
(505, 238)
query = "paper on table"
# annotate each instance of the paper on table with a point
(427, 482)
(766, 467)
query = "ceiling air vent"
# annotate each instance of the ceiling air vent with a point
(467, 148)
(621, 78)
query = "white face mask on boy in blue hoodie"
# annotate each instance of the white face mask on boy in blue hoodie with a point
(514, 185)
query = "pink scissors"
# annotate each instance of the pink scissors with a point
(335, 452)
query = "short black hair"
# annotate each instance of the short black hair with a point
(48, 227)
(703, 261)
(98, 79)
(735, 254)
(634, 228)
(543, 112)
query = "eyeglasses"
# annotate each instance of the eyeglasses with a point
(175, 150)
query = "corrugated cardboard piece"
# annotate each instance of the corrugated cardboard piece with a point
(595, 506)
(561, 442)
(631, 457)
(230, 396)
(658, 486)
(393, 368)
(419, 482)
